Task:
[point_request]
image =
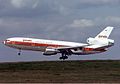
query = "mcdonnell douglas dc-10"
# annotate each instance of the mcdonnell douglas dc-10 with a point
(52, 47)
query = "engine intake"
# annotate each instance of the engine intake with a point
(50, 51)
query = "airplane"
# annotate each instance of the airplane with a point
(99, 44)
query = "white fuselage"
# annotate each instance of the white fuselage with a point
(51, 47)
(41, 45)
(38, 44)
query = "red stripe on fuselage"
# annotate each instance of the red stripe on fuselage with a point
(92, 49)
(33, 44)
(88, 49)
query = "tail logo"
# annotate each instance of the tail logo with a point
(102, 36)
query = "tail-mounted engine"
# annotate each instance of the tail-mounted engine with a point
(94, 41)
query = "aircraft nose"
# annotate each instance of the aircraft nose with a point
(7, 41)
(3, 42)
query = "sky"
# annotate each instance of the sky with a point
(69, 20)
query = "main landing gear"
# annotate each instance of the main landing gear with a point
(64, 56)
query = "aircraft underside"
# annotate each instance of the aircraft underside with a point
(98, 44)
(64, 53)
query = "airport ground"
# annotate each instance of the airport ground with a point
(100, 71)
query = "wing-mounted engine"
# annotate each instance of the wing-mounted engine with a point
(50, 51)
(77, 50)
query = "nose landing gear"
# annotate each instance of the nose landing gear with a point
(19, 53)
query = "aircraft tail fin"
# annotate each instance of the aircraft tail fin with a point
(105, 33)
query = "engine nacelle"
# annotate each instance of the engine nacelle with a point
(50, 51)
(76, 51)
(93, 41)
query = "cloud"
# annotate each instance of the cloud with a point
(82, 23)
(113, 19)
(17, 3)
(100, 2)
(37, 8)
(107, 20)
(24, 3)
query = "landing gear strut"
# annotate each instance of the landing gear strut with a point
(19, 53)
(63, 57)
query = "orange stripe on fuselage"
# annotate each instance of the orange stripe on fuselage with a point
(92, 49)
(88, 49)
(33, 44)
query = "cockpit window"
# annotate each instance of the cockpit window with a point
(7, 40)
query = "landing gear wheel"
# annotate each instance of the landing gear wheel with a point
(63, 58)
(19, 54)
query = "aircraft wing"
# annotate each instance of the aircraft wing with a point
(68, 49)
(95, 47)
(98, 47)
(74, 47)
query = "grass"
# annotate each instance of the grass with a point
(61, 72)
